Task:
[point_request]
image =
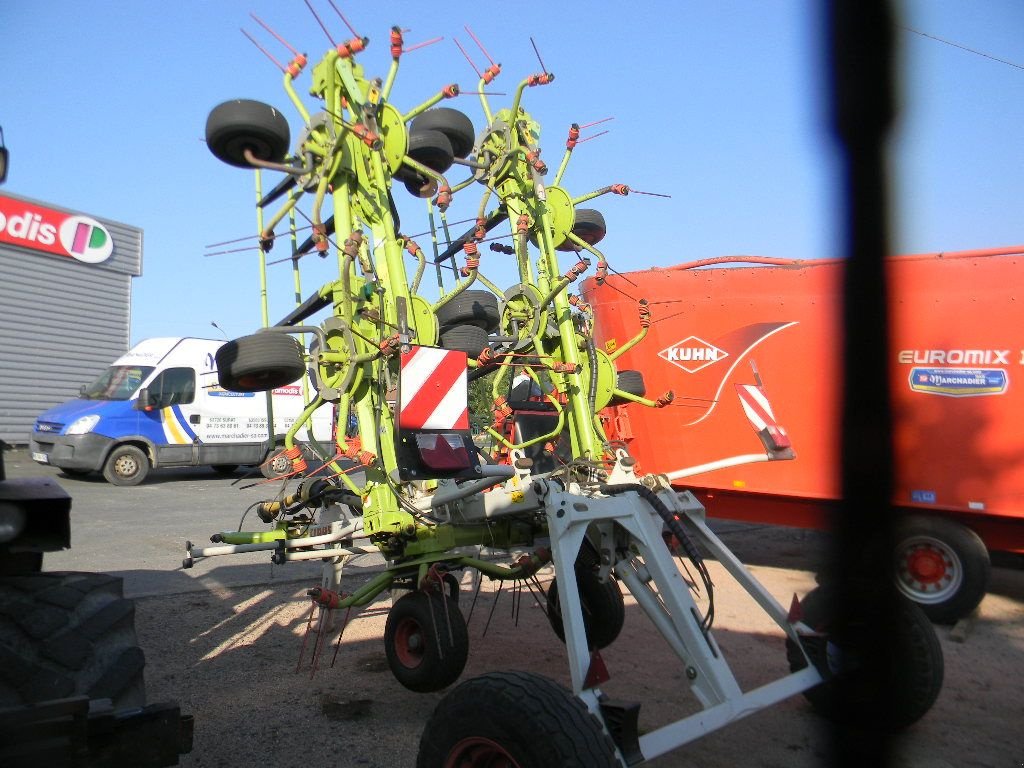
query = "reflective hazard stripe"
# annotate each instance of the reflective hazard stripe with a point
(433, 393)
(756, 406)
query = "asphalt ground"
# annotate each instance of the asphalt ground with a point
(140, 532)
(224, 640)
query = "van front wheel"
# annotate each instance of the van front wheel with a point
(126, 465)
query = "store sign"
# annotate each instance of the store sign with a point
(63, 234)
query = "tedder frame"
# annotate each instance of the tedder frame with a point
(405, 476)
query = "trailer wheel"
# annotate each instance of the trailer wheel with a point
(916, 678)
(479, 308)
(604, 611)
(588, 225)
(241, 124)
(452, 123)
(514, 719)
(465, 338)
(126, 465)
(66, 634)
(429, 148)
(631, 382)
(276, 465)
(259, 362)
(942, 566)
(426, 641)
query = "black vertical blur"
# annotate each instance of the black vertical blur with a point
(861, 54)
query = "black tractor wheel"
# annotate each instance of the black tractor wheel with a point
(242, 124)
(631, 382)
(68, 634)
(126, 465)
(259, 362)
(456, 127)
(588, 226)
(604, 611)
(942, 566)
(513, 719)
(479, 308)
(432, 149)
(916, 675)
(426, 641)
(465, 338)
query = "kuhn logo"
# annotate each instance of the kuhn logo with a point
(692, 354)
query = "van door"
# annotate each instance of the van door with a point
(173, 396)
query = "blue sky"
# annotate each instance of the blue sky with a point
(718, 104)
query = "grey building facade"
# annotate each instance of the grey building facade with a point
(65, 305)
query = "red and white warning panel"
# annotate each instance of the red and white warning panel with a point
(433, 437)
(433, 393)
(759, 413)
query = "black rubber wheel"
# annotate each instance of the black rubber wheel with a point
(456, 127)
(68, 634)
(479, 308)
(588, 226)
(426, 641)
(126, 465)
(916, 679)
(417, 186)
(241, 124)
(432, 149)
(942, 566)
(224, 470)
(465, 338)
(275, 464)
(259, 362)
(631, 382)
(604, 611)
(513, 719)
(75, 473)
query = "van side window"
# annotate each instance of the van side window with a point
(175, 386)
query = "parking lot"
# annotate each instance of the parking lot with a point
(224, 640)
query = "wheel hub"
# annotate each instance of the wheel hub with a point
(409, 646)
(478, 752)
(928, 571)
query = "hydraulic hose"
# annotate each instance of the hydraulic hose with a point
(675, 527)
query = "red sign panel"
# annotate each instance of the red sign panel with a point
(63, 234)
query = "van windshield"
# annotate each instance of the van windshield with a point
(118, 382)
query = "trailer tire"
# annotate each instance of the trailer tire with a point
(259, 362)
(604, 611)
(942, 566)
(479, 308)
(240, 124)
(465, 338)
(631, 382)
(588, 225)
(276, 465)
(513, 718)
(917, 678)
(456, 127)
(426, 641)
(429, 148)
(66, 634)
(126, 465)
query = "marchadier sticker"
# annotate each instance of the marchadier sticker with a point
(959, 382)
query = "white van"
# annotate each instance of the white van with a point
(183, 418)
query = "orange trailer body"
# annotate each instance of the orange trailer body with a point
(956, 369)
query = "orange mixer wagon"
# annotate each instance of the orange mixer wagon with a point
(750, 347)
